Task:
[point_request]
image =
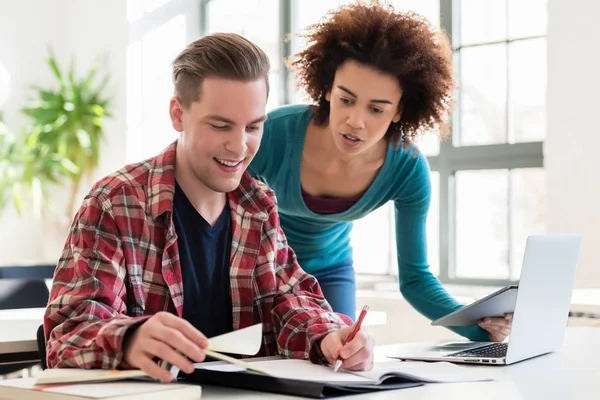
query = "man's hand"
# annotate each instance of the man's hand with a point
(357, 354)
(169, 338)
(499, 328)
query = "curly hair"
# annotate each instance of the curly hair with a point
(404, 45)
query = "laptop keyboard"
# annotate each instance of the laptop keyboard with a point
(495, 350)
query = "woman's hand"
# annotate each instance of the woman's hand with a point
(499, 328)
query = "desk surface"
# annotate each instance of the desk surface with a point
(18, 329)
(571, 373)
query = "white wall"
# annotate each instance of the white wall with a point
(84, 28)
(573, 139)
(26, 29)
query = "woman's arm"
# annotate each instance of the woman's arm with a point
(417, 284)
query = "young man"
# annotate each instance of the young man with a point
(186, 245)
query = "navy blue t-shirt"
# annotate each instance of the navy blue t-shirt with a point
(204, 252)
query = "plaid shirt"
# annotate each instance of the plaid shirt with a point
(120, 265)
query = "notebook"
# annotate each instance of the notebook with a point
(245, 341)
(302, 378)
(26, 389)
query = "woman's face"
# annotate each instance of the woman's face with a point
(364, 101)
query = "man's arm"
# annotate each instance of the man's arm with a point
(86, 321)
(301, 315)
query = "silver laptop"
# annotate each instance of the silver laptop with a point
(541, 310)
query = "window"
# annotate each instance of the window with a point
(488, 180)
(373, 254)
(159, 29)
(492, 181)
(240, 17)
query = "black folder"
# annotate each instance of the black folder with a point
(317, 390)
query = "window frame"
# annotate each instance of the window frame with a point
(453, 158)
(450, 159)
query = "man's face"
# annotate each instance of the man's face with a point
(220, 133)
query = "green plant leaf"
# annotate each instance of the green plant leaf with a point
(54, 67)
(62, 140)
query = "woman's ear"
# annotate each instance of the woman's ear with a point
(328, 96)
(398, 115)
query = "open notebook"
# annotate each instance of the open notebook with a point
(245, 341)
(300, 377)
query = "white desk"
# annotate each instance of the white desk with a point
(18, 330)
(572, 373)
(586, 302)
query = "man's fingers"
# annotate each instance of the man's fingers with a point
(178, 341)
(170, 355)
(154, 370)
(353, 347)
(359, 360)
(186, 329)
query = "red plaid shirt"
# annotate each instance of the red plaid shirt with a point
(120, 265)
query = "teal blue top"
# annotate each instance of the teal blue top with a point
(323, 240)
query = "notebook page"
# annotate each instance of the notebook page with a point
(305, 370)
(298, 370)
(442, 372)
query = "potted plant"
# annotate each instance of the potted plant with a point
(24, 173)
(68, 124)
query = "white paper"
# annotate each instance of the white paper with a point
(305, 370)
(98, 390)
(68, 375)
(245, 341)
(434, 372)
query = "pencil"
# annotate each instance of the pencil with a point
(357, 326)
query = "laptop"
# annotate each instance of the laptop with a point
(540, 316)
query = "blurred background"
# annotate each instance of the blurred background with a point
(522, 158)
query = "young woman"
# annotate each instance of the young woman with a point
(377, 79)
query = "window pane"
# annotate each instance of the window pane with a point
(430, 9)
(482, 224)
(483, 95)
(482, 21)
(528, 89)
(429, 144)
(433, 226)
(527, 18)
(528, 211)
(135, 10)
(159, 48)
(240, 17)
(371, 241)
(151, 5)
(305, 13)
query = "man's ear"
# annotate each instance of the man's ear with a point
(176, 113)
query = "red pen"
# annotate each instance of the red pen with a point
(361, 317)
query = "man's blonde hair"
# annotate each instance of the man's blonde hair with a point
(221, 55)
